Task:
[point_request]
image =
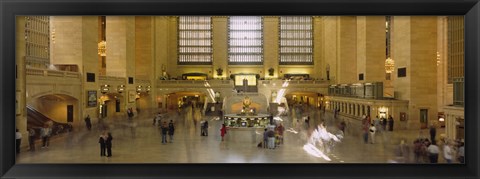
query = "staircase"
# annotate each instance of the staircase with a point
(36, 120)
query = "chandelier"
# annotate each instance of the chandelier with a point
(102, 48)
(389, 65)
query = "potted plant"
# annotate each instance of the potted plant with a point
(270, 71)
(219, 71)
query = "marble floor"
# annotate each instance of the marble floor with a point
(138, 141)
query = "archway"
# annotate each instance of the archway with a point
(179, 99)
(112, 105)
(60, 111)
(143, 102)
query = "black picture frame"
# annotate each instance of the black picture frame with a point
(10, 9)
(92, 98)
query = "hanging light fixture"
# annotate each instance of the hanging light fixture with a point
(389, 63)
(102, 48)
(102, 45)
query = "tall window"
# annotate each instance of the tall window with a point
(37, 40)
(296, 40)
(245, 40)
(455, 47)
(195, 40)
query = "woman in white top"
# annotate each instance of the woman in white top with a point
(433, 151)
(372, 130)
(448, 152)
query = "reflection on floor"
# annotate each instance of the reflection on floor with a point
(138, 141)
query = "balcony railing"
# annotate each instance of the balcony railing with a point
(52, 73)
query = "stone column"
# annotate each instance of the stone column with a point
(414, 45)
(89, 59)
(120, 37)
(220, 45)
(347, 49)
(371, 47)
(144, 63)
(20, 80)
(270, 46)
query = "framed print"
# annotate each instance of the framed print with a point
(131, 96)
(299, 49)
(92, 98)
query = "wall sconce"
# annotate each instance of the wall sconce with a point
(139, 89)
(104, 88)
(120, 88)
(148, 89)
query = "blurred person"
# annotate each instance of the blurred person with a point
(433, 152)
(171, 130)
(376, 122)
(448, 152)
(342, 126)
(390, 123)
(265, 138)
(461, 153)
(102, 141)
(223, 131)
(88, 122)
(280, 130)
(365, 129)
(18, 140)
(383, 121)
(372, 131)
(271, 139)
(108, 144)
(205, 128)
(164, 129)
(31, 139)
(433, 132)
(45, 133)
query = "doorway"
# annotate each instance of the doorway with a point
(69, 113)
(423, 118)
(117, 105)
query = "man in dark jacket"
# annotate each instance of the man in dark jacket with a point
(164, 128)
(433, 133)
(171, 130)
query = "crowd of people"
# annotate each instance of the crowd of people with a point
(272, 137)
(424, 150)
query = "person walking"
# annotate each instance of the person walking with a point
(202, 128)
(102, 142)
(461, 152)
(88, 122)
(164, 132)
(390, 123)
(376, 122)
(18, 140)
(280, 130)
(45, 133)
(223, 131)
(433, 151)
(448, 152)
(265, 138)
(372, 131)
(31, 139)
(108, 144)
(384, 124)
(433, 132)
(171, 130)
(342, 126)
(271, 139)
(205, 128)
(365, 129)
